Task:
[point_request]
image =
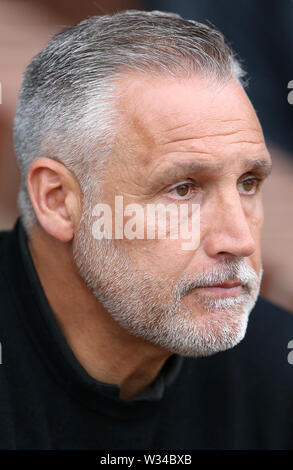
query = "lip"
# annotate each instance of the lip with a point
(223, 289)
(226, 284)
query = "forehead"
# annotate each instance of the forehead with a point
(164, 116)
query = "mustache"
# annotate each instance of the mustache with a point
(227, 271)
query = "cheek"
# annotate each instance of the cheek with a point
(158, 247)
(163, 258)
(255, 219)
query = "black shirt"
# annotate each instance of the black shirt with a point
(238, 399)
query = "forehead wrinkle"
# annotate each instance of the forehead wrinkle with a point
(246, 141)
(150, 125)
(180, 126)
(205, 136)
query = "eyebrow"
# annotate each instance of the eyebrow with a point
(261, 164)
(181, 169)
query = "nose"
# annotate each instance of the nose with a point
(229, 228)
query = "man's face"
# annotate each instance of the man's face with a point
(183, 142)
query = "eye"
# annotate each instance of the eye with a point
(250, 185)
(181, 191)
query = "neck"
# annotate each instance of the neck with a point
(106, 351)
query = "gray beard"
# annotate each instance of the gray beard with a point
(151, 308)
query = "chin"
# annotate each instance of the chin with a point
(202, 306)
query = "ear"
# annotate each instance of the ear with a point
(55, 196)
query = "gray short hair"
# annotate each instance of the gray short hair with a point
(65, 108)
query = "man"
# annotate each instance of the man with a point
(109, 341)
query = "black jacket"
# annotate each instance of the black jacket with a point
(238, 399)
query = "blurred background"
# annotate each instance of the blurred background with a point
(261, 33)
